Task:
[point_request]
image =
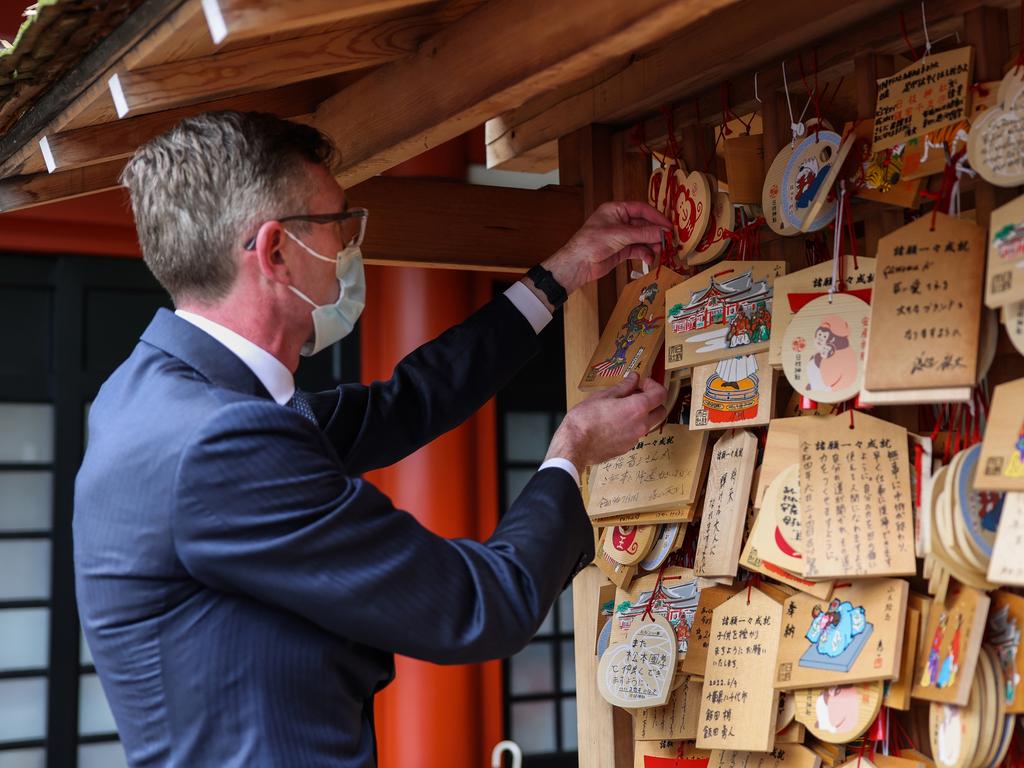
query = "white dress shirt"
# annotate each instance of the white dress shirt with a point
(280, 383)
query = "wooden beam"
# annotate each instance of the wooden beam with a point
(415, 222)
(486, 63)
(277, 62)
(604, 739)
(108, 141)
(705, 53)
(20, 192)
(234, 20)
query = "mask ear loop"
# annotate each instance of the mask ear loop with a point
(307, 249)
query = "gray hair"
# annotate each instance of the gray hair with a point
(202, 188)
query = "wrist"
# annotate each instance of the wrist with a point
(563, 446)
(565, 273)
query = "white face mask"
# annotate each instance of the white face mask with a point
(333, 322)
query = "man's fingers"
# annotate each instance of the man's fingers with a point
(638, 210)
(654, 392)
(655, 417)
(625, 387)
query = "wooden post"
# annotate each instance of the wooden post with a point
(775, 122)
(630, 173)
(988, 30)
(605, 738)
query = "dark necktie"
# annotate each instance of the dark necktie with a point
(300, 403)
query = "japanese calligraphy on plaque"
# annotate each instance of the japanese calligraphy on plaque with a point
(926, 306)
(660, 472)
(725, 504)
(739, 705)
(855, 637)
(856, 508)
(638, 672)
(783, 756)
(631, 341)
(929, 94)
(677, 719)
(695, 660)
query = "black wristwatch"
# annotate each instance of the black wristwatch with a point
(547, 285)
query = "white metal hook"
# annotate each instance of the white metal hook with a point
(757, 98)
(506, 746)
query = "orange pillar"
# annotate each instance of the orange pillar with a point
(435, 716)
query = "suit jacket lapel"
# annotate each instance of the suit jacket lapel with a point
(199, 350)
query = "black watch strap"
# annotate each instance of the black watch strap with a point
(546, 284)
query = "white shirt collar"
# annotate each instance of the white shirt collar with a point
(271, 372)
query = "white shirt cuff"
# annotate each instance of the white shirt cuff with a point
(533, 309)
(565, 464)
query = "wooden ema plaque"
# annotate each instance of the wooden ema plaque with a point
(855, 637)
(781, 510)
(734, 392)
(954, 633)
(715, 242)
(926, 306)
(782, 756)
(823, 349)
(638, 672)
(838, 714)
(1003, 636)
(695, 660)
(856, 503)
(691, 211)
(725, 311)
(739, 706)
(1007, 565)
(677, 719)
(1004, 282)
(879, 177)
(632, 339)
(927, 95)
(660, 472)
(796, 289)
(725, 504)
(995, 147)
(897, 692)
(675, 599)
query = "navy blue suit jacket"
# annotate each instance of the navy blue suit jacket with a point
(242, 589)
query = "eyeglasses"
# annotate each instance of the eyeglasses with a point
(359, 214)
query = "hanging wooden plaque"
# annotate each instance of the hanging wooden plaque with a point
(838, 714)
(695, 660)
(692, 210)
(1004, 283)
(629, 544)
(823, 350)
(734, 392)
(631, 341)
(771, 195)
(926, 306)
(781, 501)
(660, 472)
(659, 185)
(723, 312)
(848, 532)
(855, 637)
(1007, 565)
(927, 95)
(739, 705)
(897, 692)
(825, 198)
(954, 733)
(715, 242)
(1003, 636)
(1013, 321)
(677, 719)
(782, 448)
(879, 177)
(995, 147)
(638, 672)
(796, 289)
(1001, 465)
(744, 167)
(725, 504)
(784, 756)
(954, 634)
(809, 168)
(672, 594)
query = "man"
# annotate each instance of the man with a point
(241, 588)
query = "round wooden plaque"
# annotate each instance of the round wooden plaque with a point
(805, 174)
(823, 349)
(839, 713)
(692, 210)
(715, 242)
(771, 195)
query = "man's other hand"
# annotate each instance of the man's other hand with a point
(615, 232)
(609, 423)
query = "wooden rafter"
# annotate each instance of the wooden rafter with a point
(108, 141)
(486, 63)
(234, 20)
(277, 62)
